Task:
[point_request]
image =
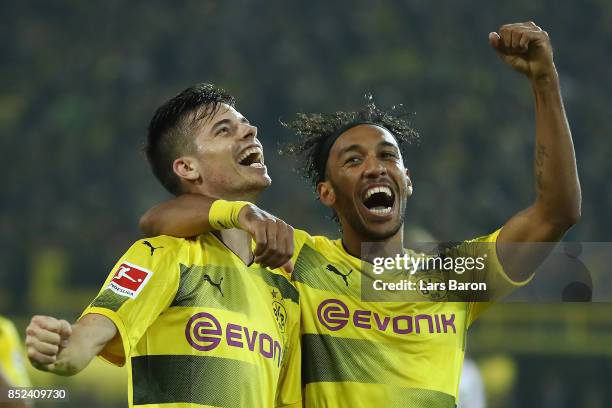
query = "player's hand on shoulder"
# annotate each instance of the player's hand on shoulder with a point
(46, 337)
(526, 48)
(273, 237)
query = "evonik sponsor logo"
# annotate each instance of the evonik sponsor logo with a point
(335, 315)
(204, 332)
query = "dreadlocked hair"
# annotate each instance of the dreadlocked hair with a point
(313, 129)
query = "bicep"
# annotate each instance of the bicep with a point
(530, 225)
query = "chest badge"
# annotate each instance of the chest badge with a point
(280, 315)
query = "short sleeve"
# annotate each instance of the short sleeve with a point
(498, 284)
(139, 288)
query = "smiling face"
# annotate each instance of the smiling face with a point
(228, 160)
(367, 184)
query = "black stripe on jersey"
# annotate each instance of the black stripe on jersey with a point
(206, 380)
(196, 290)
(311, 269)
(287, 290)
(336, 359)
(109, 300)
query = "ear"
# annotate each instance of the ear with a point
(185, 167)
(326, 193)
(409, 183)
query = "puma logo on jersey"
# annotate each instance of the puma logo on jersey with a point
(217, 285)
(335, 271)
(151, 247)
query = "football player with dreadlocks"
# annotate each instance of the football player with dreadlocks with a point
(357, 353)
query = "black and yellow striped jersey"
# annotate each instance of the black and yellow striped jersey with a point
(198, 327)
(358, 353)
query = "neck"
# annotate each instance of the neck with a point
(241, 196)
(245, 195)
(239, 242)
(366, 247)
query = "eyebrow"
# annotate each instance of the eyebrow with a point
(353, 147)
(220, 123)
(357, 147)
(228, 121)
(388, 144)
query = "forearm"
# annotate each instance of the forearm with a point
(183, 216)
(190, 215)
(73, 359)
(556, 176)
(89, 337)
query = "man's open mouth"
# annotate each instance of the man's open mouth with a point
(379, 200)
(251, 157)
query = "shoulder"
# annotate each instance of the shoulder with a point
(302, 237)
(163, 246)
(167, 242)
(159, 256)
(492, 237)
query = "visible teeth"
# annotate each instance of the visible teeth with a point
(248, 152)
(381, 210)
(374, 190)
(256, 164)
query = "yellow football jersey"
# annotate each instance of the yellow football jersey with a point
(197, 327)
(12, 367)
(380, 354)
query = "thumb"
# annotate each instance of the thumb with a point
(65, 331)
(288, 267)
(494, 39)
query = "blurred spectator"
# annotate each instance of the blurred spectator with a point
(12, 368)
(471, 387)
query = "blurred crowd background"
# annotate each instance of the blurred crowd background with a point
(80, 81)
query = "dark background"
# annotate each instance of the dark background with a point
(80, 81)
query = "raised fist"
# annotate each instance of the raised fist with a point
(526, 48)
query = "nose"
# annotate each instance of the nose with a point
(249, 131)
(374, 168)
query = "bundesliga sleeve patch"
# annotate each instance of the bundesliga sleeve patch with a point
(129, 280)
